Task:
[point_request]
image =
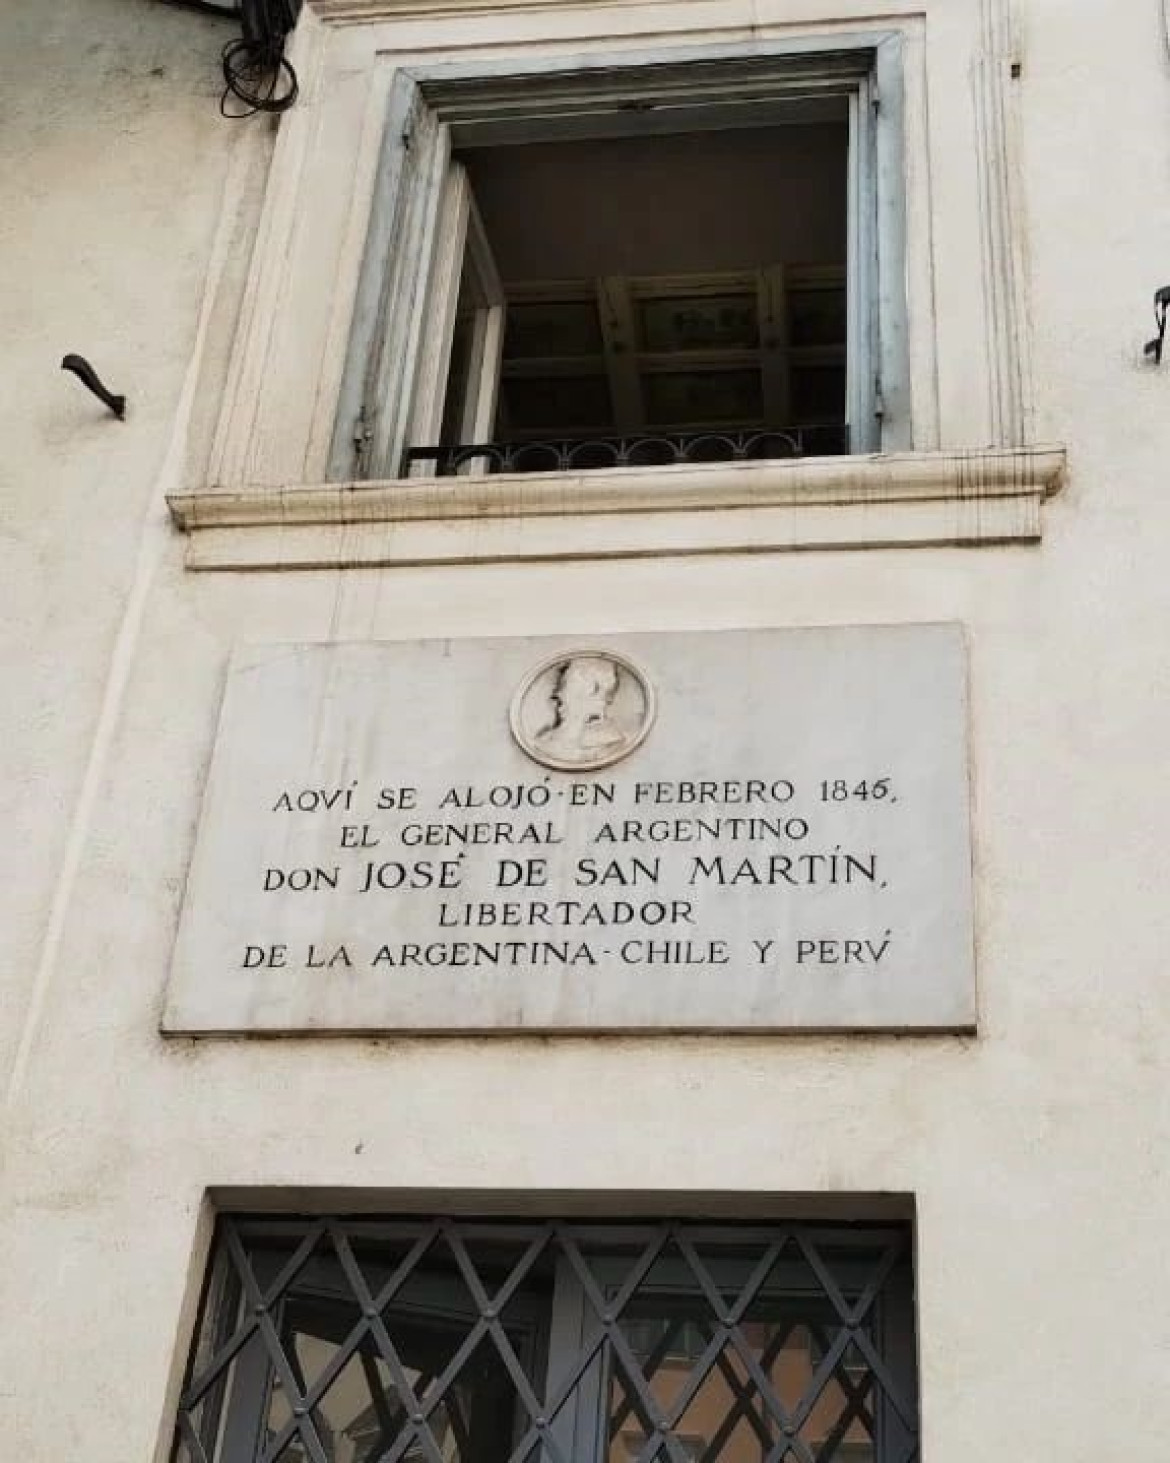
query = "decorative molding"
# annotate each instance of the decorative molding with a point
(370, 12)
(1005, 302)
(790, 482)
(908, 499)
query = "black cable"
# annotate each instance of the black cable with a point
(255, 71)
(256, 75)
(207, 7)
(259, 78)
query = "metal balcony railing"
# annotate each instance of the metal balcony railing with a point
(591, 454)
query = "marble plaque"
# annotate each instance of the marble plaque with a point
(733, 831)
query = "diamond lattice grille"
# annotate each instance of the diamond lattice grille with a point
(469, 1341)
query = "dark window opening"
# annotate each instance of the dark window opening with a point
(686, 290)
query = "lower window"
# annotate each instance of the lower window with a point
(475, 1341)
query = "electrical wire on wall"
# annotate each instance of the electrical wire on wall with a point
(207, 7)
(1155, 349)
(257, 75)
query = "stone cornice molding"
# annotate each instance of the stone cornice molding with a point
(706, 487)
(906, 499)
(370, 12)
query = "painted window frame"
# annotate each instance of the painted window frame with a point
(395, 369)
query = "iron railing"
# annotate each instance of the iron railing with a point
(660, 450)
(471, 1341)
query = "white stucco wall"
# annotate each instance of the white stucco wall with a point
(1036, 1152)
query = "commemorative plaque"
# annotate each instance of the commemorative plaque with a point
(735, 831)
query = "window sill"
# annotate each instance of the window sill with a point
(904, 500)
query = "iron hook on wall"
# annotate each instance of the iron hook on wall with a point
(1155, 347)
(89, 378)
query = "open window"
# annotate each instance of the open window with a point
(636, 265)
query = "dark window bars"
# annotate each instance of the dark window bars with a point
(472, 1341)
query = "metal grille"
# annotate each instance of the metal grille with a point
(594, 453)
(469, 1341)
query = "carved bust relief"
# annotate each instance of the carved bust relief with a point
(583, 710)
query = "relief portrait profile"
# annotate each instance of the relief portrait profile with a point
(582, 710)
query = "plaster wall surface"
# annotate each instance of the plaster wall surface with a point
(1035, 1151)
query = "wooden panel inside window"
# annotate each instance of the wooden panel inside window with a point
(617, 356)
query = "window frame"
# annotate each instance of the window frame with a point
(390, 373)
(461, 246)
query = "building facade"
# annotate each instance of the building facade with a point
(583, 769)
